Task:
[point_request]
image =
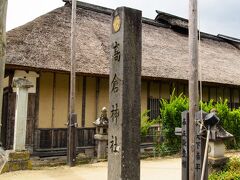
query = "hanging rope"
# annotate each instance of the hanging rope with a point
(200, 63)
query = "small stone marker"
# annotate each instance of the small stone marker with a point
(125, 93)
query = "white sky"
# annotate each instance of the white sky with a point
(216, 16)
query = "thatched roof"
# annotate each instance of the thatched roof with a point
(45, 43)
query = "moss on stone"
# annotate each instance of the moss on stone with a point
(24, 155)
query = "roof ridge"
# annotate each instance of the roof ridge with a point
(109, 11)
(154, 22)
(172, 20)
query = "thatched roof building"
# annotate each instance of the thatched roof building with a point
(45, 44)
(40, 52)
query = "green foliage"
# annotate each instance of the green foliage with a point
(230, 172)
(206, 106)
(164, 149)
(230, 120)
(233, 165)
(146, 123)
(170, 113)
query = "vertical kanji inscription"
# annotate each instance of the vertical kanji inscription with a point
(124, 94)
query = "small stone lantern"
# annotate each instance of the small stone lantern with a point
(101, 135)
(216, 146)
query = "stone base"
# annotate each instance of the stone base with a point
(216, 164)
(14, 161)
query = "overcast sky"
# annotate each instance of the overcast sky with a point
(216, 16)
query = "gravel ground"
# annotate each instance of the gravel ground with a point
(153, 169)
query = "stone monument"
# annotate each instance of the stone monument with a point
(125, 93)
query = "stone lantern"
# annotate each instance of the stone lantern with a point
(216, 146)
(101, 135)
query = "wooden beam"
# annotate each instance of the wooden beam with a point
(53, 99)
(72, 121)
(97, 95)
(84, 101)
(36, 113)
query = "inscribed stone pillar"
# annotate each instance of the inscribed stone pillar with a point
(124, 92)
(22, 86)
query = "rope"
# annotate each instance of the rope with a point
(202, 127)
(200, 64)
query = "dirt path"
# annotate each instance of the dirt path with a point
(150, 170)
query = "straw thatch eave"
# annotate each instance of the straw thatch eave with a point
(45, 44)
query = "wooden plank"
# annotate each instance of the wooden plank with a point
(4, 117)
(200, 142)
(97, 95)
(30, 121)
(84, 101)
(185, 145)
(36, 120)
(53, 99)
(10, 119)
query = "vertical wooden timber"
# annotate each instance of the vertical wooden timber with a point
(36, 121)
(3, 14)
(148, 95)
(185, 145)
(72, 119)
(53, 99)
(97, 95)
(193, 83)
(84, 101)
(159, 89)
(53, 107)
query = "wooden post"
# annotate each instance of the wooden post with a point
(185, 145)
(125, 95)
(72, 121)
(200, 141)
(3, 15)
(193, 82)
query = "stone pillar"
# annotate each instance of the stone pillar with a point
(125, 93)
(101, 145)
(18, 158)
(22, 86)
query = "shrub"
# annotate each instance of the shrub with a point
(230, 172)
(206, 106)
(146, 123)
(170, 113)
